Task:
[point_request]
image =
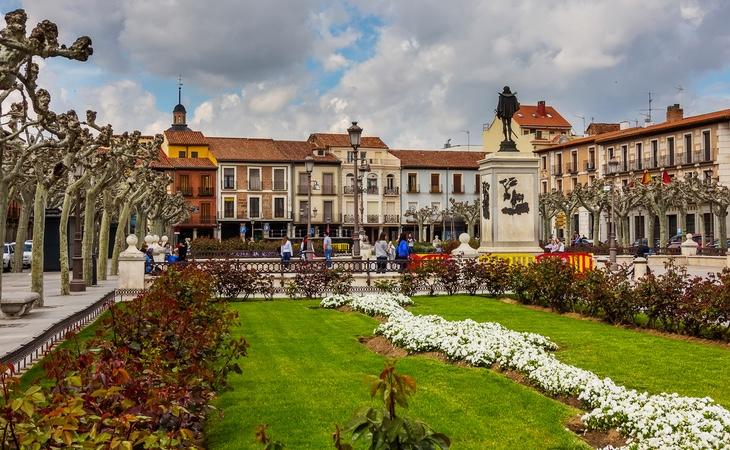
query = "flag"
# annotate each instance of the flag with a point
(645, 179)
(666, 179)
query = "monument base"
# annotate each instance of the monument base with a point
(508, 146)
(527, 250)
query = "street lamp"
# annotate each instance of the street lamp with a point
(355, 132)
(613, 165)
(77, 282)
(309, 167)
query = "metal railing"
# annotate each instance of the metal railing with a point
(205, 192)
(348, 218)
(187, 191)
(23, 357)
(391, 191)
(391, 218)
(557, 169)
(572, 167)
(373, 218)
(348, 190)
(413, 190)
(372, 190)
(590, 166)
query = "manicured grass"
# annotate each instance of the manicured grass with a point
(306, 372)
(634, 359)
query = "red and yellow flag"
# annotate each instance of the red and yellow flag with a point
(645, 178)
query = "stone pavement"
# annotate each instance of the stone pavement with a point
(16, 332)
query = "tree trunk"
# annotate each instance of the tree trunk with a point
(596, 227)
(21, 234)
(663, 225)
(3, 216)
(39, 219)
(101, 262)
(63, 238)
(627, 231)
(722, 226)
(683, 223)
(141, 227)
(120, 237)
(546, 228)
(87, 245)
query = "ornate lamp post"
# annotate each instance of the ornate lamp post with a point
(309, 167)
(77, 282)
(355, 133)
(613, 165)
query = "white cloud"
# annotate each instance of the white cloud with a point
(272, 100)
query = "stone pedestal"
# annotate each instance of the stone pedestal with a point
(640, 266)
(689, 247)
(509, 203)
(464, 250)
(131, 266)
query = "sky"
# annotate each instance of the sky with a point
(414, 72)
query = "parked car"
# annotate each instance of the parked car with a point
(27, 253)
(676, 241)
(7, 256)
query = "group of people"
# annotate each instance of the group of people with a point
(555, 246)
(384, 250)
(172, 255)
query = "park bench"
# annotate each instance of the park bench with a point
(18, 304)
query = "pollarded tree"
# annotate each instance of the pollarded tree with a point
(567, 204)
(547, 211)
(593, 199)
(24, 188)
(626, 198)
(659, 198)
(711, 192)
(422, 216)
(469, 212)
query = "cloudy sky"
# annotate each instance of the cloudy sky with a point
(415, 72)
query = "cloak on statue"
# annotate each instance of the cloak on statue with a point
(507, 106)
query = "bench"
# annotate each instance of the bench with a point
(16, 305)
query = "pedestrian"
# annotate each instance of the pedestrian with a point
(182, 250)
(402, 251)
(411, 243)
(391, 250)
(285, 250)
(327, 247)
(304, 248)
(381, 253)
(561, 246)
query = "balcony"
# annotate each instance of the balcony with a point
(436, 189)
(572, 167)
(206, 220)
(557, 170)
(650, 163)
(254, 185)
(702, 156)
(329, 189)
(458, 189)
(205, 191)
(348, 190)
(373, 190)
(372, 218)
(187, 191)
(391, 218)
(390, 191)
(348, 218)
(636, 165)
(413, 190)
(590, 166)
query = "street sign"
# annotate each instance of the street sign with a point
(560, 220)
(267, 227)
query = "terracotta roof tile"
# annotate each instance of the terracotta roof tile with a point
(600, 128)
(527, 116)
(162, 161)
(245, 149)
(663, 127)
(324, 140)
(298, 150)
(185, 137)
(191, 163)
(453, 159)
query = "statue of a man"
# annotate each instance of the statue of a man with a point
(506, 108)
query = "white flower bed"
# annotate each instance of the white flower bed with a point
(666, 421)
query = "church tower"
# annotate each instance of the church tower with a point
(179, 122)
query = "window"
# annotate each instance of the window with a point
(525, 131)
(206, 188)
(351, 156)
(254, 179)
(229, 208)
(688, 148)
(560, 185)
(205, 213)
(412, 182)
(591, 180)
(205, 181)
(184, 185)
(610, 153)
(670, 151)
(303, 210)
(654, 153)
(639, 227)
(559, 164)
(625, 182)
(229, 178)
(363, 157)
(304, 183)
(625, 157)
(328, 184)
(706, 150)
(279, 179)
(538, 134)
(328, 208)
(573, 183)
(390, 181)
(639, 156)
(182, 154)
(477, 183)
(279, 210)
(458, 187)
(574, 161)
(708, 175)
(591, 158)
(372, 184)
(350, 186)
(254, 207)
(544, 162)
(193, 154)
(435, 183)
(544, 187)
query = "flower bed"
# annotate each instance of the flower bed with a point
(649, 421)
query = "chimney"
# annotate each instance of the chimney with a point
(541, 108)
(674, 113)
(624, 125)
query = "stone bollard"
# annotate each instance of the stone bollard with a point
(131, 266)
(689, 247)
(464, 250)
(602, 262)
(640, 266)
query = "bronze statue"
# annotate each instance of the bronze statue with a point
(506, 108)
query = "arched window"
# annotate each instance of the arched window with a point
(390, 181)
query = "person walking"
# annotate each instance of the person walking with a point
(381, 253)
(402, 251)
(327, 247)
(286, 252)
(411, 243)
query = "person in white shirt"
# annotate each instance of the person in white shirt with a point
(381, 253)
(327, 247)
(286, 251)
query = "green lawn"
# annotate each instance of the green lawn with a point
(306, 371)
(631, 358)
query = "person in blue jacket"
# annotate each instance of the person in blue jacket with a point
(402, 251)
